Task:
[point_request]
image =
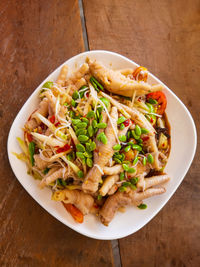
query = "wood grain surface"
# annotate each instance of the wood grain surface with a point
(164, 36)
(35, 38)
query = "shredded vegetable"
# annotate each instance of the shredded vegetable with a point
(93, 149)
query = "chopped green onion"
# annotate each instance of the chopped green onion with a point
(72, 114)
(46, 170)
(134, 180)
(142, 206)
(151, 108)
(75, 95)
(80, 174)
(122, 188)
(99, 197)
(47, 85)
(152, 101)
(31, 149)
(96, 84)
(73, 103)
(144, 131)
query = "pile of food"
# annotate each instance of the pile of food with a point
(99, 140)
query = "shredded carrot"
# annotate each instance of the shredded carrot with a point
(140, 74)
(76, 213)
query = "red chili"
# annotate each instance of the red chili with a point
(126, 123)
(43, 126)
(52, 119)
(145, 138)
(29, 137)
(161, 99)
(63, 149)
(57, 124)
(87, 94)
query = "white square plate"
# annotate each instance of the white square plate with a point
(183, 146)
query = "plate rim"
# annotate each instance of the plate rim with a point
(117, 236)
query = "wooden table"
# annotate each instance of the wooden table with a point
(35, 38)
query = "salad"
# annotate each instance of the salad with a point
(99, 139)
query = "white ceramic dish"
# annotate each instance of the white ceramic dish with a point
(183, 140)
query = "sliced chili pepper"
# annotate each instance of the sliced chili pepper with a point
(76, 213)
(43, 126)
(140, 74)
(52, 119)
(126, 123)
(63, 149)
(145, 138)
(29, 137)
(96, 206)
(57, 124)
(161, 99)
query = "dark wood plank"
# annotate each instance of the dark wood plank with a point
(35, 38)
(164, 37)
